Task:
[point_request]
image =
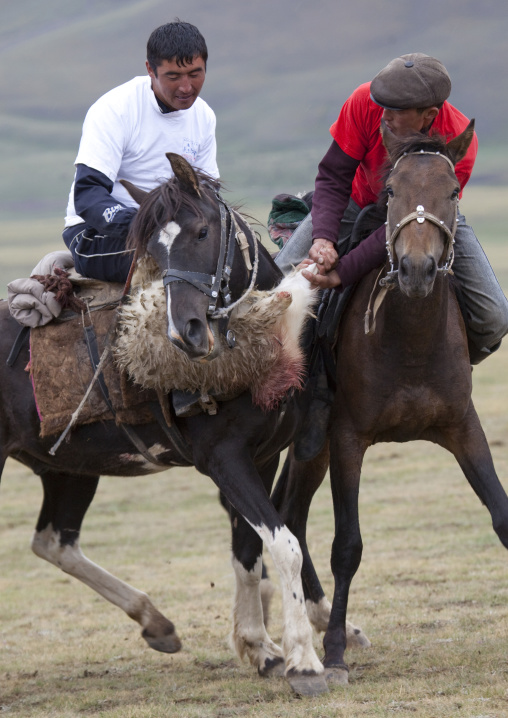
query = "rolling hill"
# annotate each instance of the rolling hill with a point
(277, 75)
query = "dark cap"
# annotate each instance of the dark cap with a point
(411, 81)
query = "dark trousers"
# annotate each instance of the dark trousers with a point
(97, 255)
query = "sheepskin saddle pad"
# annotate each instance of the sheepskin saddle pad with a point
(61, 373)
(266, 359)
(143, 364)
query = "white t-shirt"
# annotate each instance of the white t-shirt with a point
(126, 136)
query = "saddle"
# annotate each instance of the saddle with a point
(62, 370)
(334, 303)
(114, 361)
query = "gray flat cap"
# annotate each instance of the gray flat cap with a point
(411, 81)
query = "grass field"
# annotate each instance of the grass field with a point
(431, 592)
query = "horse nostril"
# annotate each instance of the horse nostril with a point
(404, 269)
(195, 332)
(431, 269)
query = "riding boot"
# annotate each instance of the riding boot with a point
(186, 403)
(312, 436)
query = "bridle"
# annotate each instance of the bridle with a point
(216, 285)
(420, 215)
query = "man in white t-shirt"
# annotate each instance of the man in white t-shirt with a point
(126, 135)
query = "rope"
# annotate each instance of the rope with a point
(76, 414)
(224, 311)
(62, 287)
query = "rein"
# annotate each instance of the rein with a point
(420, 215)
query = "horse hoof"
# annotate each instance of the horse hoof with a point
(272, 668)
(167, 643)
(337, 676)
(307, 684)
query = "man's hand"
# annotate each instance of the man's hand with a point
(319, 281)
(324, 254)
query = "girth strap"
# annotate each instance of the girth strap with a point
(93, 353)
(174, 434)
(16, 347)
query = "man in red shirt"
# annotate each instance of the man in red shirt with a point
(410, 95)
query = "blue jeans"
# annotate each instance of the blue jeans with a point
(298, 245)
(486, 304)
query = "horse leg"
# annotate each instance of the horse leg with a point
(468, 444)
(249, 635)
(292, 496)
(56, 539)
(246, 492)
(345, 468)
(266, 587)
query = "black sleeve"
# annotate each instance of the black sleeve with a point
(93, 203)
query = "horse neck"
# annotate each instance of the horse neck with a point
(416, 327)
(268, 275)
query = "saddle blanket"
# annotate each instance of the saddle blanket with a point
(61, 373)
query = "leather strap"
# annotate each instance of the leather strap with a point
(93, 353)
(16, 347)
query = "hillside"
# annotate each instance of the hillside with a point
(278, 73)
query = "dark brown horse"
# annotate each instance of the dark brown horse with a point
(206, 271)
(408, 377)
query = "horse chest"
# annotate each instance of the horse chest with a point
(401, 410)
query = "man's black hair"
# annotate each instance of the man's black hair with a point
(178, 41)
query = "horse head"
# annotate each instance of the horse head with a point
(422, 199)
(205, 252)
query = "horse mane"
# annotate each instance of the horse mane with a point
(162, 204)
(416, 142)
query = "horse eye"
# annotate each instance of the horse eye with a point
(389, 191)
(203, 233)
(455, 193)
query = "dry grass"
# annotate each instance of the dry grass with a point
(431, 593)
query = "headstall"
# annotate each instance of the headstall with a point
(420, 215)
(217, 285)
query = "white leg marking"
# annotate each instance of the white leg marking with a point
(319, 614)
(249, 636)
(137, 605)
(297, 645)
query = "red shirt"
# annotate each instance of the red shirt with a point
(356, 131)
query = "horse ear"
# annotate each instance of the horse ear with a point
(184, 173)
(389, 139)
(457, 148)
(138, 195)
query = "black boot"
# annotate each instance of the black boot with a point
(313, 434)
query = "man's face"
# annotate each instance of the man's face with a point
(178, 86)
(406, 122)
